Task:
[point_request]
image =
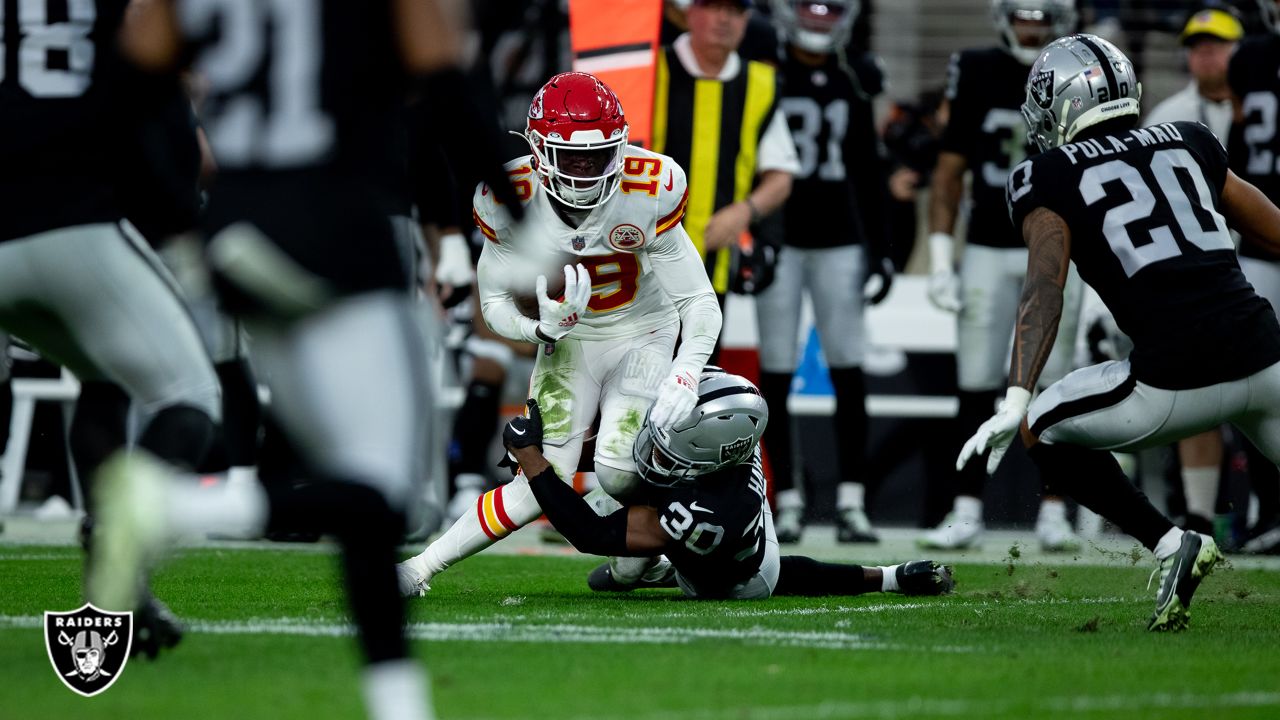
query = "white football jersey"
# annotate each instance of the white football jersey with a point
(639, 256)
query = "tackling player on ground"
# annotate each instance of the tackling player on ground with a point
(1144, 215)
(703, 506)
(606, 215)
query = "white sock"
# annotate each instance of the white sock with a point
(1200, 485)
(889, 579)
(496, 514)
(237, 509)
(1052, 510)
(1169, 543)
(968, 509)
(850, 495)
(788, 499)
(397, 690)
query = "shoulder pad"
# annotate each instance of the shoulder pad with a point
(487, 212)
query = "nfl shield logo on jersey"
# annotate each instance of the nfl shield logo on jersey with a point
(1042, 88)
(578, 243)
(88, 647)
(626, 237)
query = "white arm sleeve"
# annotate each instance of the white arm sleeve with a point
(683, 277)
(496, 303)
(777, 151)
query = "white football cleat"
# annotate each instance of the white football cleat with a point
(953, 533)
(411, 582)
(129, 529)
(1055, 536)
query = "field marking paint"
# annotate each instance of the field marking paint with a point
(509, 632)
(917, 707)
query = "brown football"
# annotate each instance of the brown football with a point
(527, 301)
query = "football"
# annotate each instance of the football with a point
(525, 295)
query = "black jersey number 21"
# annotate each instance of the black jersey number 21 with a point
(288, 128)
(54, 60)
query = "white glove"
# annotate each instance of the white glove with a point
(676, 398)
(944, 286)
(997, 433)
(557, 317)
(454, 266)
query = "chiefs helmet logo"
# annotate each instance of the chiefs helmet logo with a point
(535, 107)
(626, 237)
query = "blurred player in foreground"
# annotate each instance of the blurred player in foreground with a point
(703, 505)
(1144, 215)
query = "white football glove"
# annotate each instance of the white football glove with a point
(676, 398)
(454, 268)
(997, 432)
(944, 285)
(557, 317)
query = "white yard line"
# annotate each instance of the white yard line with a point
(509, 632)
(925, 707)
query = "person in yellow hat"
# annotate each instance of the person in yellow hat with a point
(1209, 37)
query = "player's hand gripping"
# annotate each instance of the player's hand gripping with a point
(998, 432)
(523, 431)
(556, 318)
(676, 397)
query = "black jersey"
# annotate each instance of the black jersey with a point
(305, 116)
(59, 133)
(1147, 232)
(837, 197)
(985, 90)
(1254, 76)
(716, 527)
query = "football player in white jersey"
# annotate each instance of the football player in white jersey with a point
(606, 216)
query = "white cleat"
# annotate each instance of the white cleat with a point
(954, 533)
(129, 529)
(411, 582)
(1055, 536)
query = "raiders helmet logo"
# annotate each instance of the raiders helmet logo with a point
(1042, 89)
(88, 647)
(735, 451)
(626, 237)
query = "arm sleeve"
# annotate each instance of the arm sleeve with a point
(777, 150)
(572, 516)
(953, 135)
(684, 279)
(496, 303)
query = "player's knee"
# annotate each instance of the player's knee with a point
(179, 434)
(618, 482)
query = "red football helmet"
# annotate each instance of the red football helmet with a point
(578, 133)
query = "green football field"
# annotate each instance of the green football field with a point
(522, 637)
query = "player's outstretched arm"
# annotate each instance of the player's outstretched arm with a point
(633, 531)
(1250, 212)
(1049, 243)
